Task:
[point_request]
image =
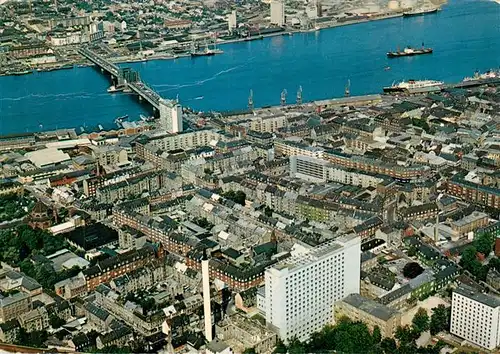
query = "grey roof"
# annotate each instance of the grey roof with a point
(471, 293)
(370, 306)
(97, 311)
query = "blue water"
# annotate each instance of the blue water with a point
(465, 37)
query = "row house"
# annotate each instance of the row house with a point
(118, 265)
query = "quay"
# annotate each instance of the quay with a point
(125, 78)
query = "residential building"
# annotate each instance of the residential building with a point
(35, 320)
(278, 12)
(171, 116)
(232, 23)
(120, 264)
(9, 331)
(13, 306)
(475, 317)
(300, 291)
(370, 312)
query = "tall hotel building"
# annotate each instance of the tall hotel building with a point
(300, 291)
(475, 317)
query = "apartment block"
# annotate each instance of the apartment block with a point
(475, 317)
(300, 292)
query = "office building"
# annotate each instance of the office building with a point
(171, 116)
(300, 292)
(277, 12)
(232, 23)
(475, 317)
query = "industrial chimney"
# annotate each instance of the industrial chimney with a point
(205, 272)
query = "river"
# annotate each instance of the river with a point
(465, 37)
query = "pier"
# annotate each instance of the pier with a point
(125, 78)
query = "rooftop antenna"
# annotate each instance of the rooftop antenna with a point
(250, 101)
(299, 96)
(283, 97)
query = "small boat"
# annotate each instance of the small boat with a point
(387, 68)
(113, 89)
(101, 128)
(200, 98)
(144, 118)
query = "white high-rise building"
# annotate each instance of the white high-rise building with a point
(278, 12)
(171, 116)
(231, 21)
(475, 317)
(300, 292)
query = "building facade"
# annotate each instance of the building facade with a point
(475, 317)
(300, 291)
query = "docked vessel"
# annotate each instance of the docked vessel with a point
(120, 120)
(20, 72)
(421, 11)
(490, 76)
(415, 86)
(409, 51)
(66, 67)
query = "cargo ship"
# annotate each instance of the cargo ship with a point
(420, 12)
(415, 86)
(409, 51)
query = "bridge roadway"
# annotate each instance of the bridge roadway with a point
(140, 88)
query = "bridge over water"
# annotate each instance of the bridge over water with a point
(125, 78)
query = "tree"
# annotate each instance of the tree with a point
(280, 347)
(469, 262)
(412, 270)
(440, 319)
(56, 322)
(249, 351)
(377, 336)
(388, 345)
(405, 335)
(420, 322)
(484, 243)
(237, 197)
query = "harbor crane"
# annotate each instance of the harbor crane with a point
(250, 101)
(299, 96)
(283, 97)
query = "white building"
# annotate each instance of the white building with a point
(320, 171)
(278, 12)
(300, 291)
(171, 116)
(475, 317)
(232, 22)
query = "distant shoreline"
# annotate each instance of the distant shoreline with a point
(168, 56)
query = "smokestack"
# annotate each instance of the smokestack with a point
(436, 234)
(206, 297)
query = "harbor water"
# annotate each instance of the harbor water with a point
(465, 37)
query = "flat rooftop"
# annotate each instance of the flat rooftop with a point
(472, 293)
